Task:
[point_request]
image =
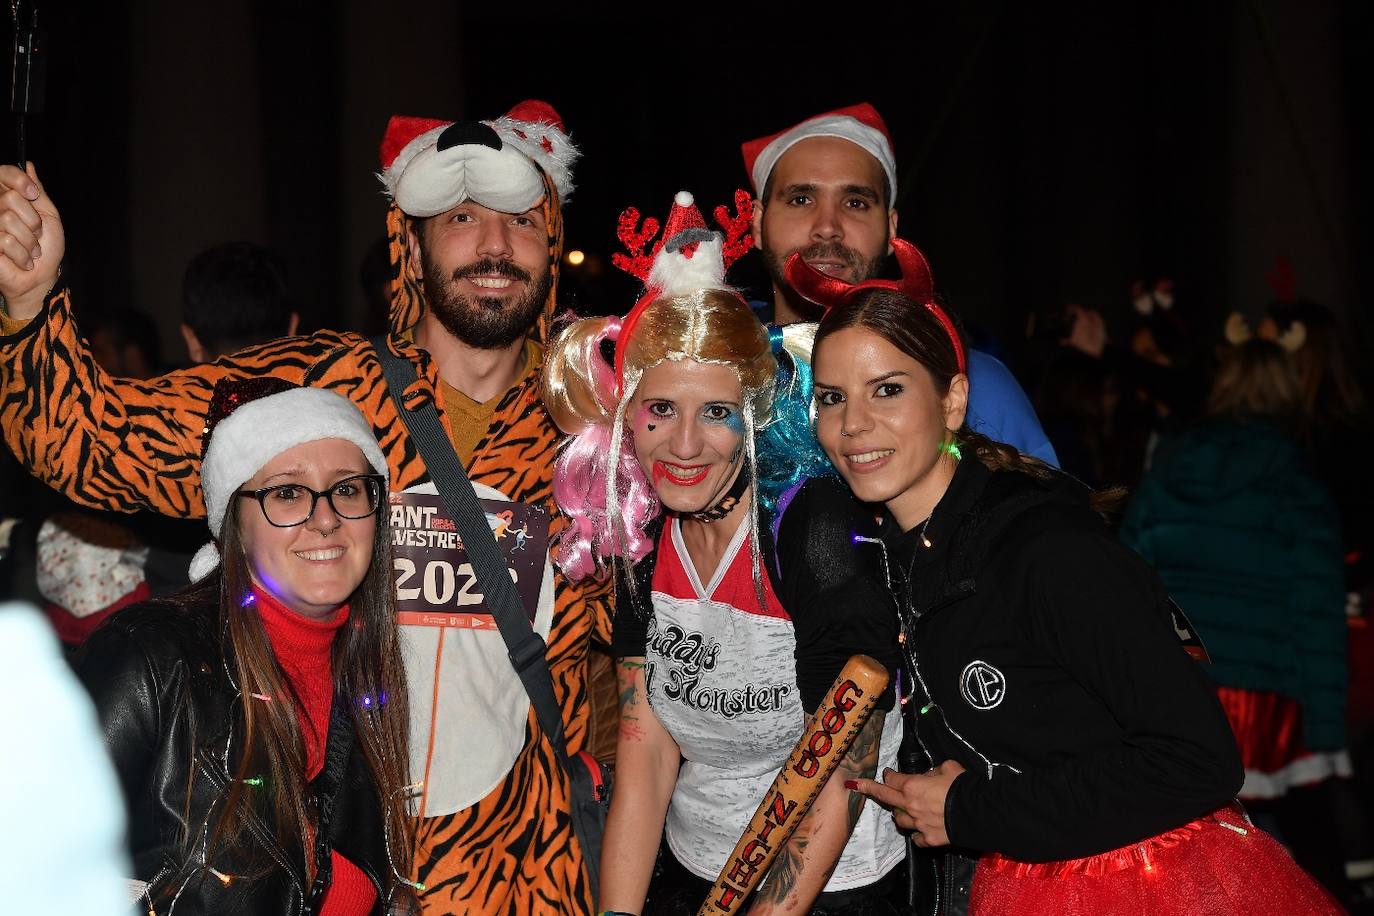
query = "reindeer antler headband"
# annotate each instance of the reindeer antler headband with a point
(916, 284)
(687, 257)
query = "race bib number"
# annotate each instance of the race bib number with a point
(435, 583)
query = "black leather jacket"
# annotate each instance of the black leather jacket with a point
(165, 698)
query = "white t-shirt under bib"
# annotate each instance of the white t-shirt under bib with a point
(721, 676)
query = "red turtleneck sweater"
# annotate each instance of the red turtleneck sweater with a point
(304, 649)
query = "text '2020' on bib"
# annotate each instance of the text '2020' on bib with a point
(435, 583)
(468, 709)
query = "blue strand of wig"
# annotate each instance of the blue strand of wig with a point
(786, 448)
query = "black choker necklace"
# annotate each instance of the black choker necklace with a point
(727, 502)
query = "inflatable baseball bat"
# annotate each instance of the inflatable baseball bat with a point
(844, 709)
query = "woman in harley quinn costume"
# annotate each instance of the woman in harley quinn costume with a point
(1072, 743)
(720, 658)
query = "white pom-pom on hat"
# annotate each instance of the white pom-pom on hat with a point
(204, 562)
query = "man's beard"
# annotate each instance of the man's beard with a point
(861, 267)
(485, 322)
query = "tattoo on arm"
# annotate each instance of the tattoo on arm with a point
(782, 877)
(862, 761)
(628, 667)
(630, 729)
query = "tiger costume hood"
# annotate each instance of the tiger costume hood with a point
(511, 164)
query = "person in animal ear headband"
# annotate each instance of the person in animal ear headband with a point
(666, 480)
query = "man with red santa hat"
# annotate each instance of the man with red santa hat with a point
(827, 188)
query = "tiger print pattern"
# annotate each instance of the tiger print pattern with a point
(123, 444)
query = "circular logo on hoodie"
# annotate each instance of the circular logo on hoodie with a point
(982, 685)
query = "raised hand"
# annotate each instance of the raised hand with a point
(31, 242)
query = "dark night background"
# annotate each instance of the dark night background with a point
(1047, 153)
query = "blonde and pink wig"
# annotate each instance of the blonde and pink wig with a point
(598, 483)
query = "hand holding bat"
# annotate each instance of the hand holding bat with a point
(837, 722)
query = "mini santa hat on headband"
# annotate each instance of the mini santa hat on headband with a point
(429, 166)
(688, 256)
(859, 124)
(250, 422)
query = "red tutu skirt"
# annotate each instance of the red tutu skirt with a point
(1219, 865)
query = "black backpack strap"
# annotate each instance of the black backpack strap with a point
(525, 647)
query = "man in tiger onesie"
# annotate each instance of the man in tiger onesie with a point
(476, 235)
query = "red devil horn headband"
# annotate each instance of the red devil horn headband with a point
(916, 284)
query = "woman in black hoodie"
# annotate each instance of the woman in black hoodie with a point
(1072, 743)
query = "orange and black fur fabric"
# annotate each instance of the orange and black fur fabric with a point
(125, 445)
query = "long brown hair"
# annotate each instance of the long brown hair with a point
(1331, 392)
(912, 329)
(366, 664)
(1256, 379)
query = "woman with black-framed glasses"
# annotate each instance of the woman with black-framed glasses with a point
(284, 505)
(260, 741)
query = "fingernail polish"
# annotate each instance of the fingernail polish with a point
(851, 784)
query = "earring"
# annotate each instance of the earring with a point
(951, 448)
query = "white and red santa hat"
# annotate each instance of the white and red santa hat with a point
(430, 166)
(860, 124)
(251, 421)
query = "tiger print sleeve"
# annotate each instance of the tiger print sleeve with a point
(106, 442)
(600, 599)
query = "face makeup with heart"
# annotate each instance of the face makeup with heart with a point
(687, 421)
